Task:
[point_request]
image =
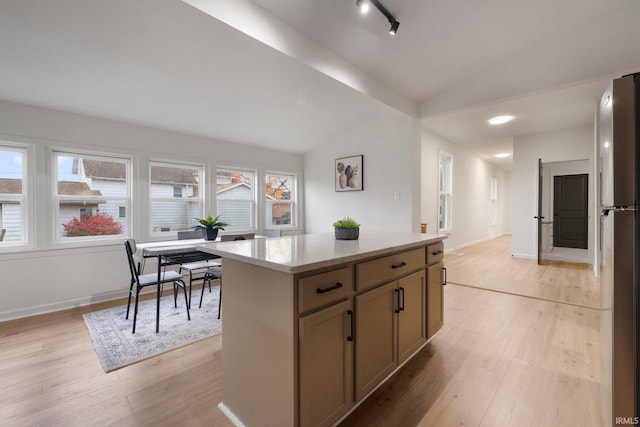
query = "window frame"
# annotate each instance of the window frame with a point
(202, 188)
(293, 201)
(118, 201)
(446, 193)
(253, 200)
(26, 224)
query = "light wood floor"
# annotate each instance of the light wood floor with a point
(500, 360)
(489, 265)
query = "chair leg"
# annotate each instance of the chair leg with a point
(135, 310)
(186, 300)
(220, 298)
(129, 300)
(175, 295)
(190, 284)
(204, 283)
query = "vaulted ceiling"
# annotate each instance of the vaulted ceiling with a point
(164, 63)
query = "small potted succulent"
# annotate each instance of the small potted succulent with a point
(346, 229)
(210, 226)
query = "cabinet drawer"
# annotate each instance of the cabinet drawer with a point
(381, 270)
(435, 253)
(325, 288)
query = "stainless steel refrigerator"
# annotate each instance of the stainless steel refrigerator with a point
(619, 139)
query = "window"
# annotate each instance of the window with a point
(445, 202)
(236, 198)
(494, 201)
(177, 192)
(176, 196)
(89, 191)
(280, 200)
(13, 195)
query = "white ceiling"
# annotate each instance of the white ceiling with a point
(165, 64)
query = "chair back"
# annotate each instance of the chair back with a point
(130, 247)
(232, 237)
(272, 232)
(185, 235)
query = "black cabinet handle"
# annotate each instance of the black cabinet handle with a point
(397, 291)
(350, 314)
(402, 292)
(438, 252)
(444, 269)
(398, 265)
(338, 285)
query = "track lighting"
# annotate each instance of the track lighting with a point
(363, 5)
(394, 27)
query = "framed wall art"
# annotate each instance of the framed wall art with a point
(348, 173)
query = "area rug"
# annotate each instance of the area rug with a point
(117, 347)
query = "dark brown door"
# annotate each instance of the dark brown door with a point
(570, 217)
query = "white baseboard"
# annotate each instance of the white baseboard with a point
(60, 305)
(464, 245)
(229, 414)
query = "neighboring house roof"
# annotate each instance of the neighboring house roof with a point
(74, 188)
(104, 169)
(171, 175)
(10, 186)
(221, 188)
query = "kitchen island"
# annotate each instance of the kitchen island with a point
(313, 325)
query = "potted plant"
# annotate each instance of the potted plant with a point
(346, 229)
(210, 226)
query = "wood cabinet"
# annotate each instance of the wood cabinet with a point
(326, 364)
(306, 341)
(390, 327)
(435, 293)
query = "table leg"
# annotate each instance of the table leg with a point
(158, 294)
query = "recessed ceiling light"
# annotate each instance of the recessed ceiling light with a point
(499, 120)
(501, 155)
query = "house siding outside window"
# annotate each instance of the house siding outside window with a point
(89, 191)
(176, 196)
(236, 198)
(13, 195)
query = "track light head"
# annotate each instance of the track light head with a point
(394, 27)
(363, 5)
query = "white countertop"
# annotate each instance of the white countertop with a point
(305, 252)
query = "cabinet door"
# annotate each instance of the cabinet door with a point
(326, 365)
(375, 337)
(412, 322)
(435, 294)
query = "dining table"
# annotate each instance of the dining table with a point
(171, 252)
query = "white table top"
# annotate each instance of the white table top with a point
(305, 252)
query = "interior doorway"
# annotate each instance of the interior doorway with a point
(570, 211)
(563, 230)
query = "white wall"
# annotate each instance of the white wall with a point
(390, 147)
(471, 202)
(48, 277)
(557, 146)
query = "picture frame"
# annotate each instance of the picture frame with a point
(348, 173)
